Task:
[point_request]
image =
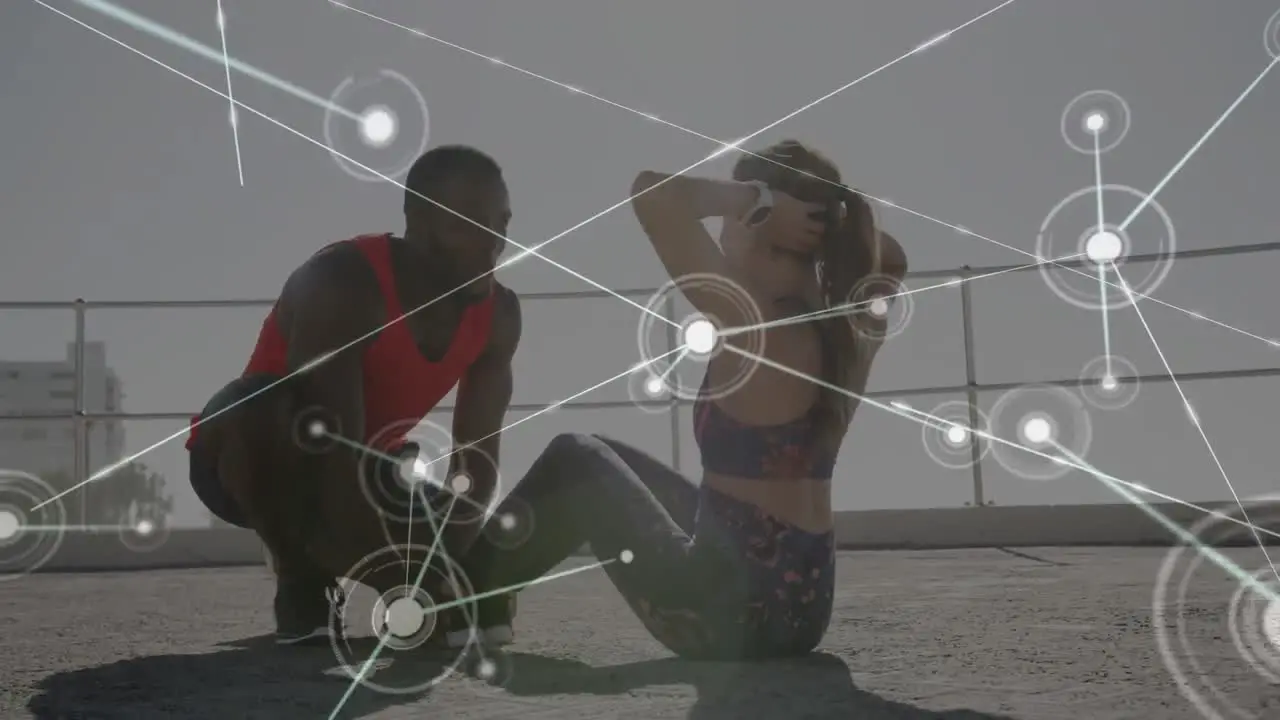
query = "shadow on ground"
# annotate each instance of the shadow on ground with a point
(817, 687)
(254, 679)
(251, 678)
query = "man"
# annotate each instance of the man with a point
(381, 328)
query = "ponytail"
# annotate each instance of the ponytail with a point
(849, 255)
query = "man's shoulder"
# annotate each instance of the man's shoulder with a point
(507, 323)
(338, 276)
(338, 266)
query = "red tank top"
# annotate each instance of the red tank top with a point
(400, 385)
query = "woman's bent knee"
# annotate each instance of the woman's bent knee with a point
(573, 444)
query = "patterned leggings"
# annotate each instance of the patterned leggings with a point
(711, 577)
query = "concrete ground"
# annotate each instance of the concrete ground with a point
(974, 635)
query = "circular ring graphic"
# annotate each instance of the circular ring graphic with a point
(510, 525)
(146, 527)
(700, 337)
(408, 609)
(1109, 382)
(1271, 36)
(1188, 619)
(1071, 229)
(1253, 621)
(404, 617)
(1039, 418)
(1095, 122)
(406, 486)
(949, 438)
(650, 389)
(879, 307)
(317, 430)
(377, 120)
(28, 537)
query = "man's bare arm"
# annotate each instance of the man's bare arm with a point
(483, 399)
(325, 308)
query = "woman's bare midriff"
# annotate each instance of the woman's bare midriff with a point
(805, 503)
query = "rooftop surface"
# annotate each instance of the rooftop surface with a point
(967, 635)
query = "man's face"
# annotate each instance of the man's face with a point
(474, 244)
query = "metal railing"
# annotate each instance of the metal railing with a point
(82, 419)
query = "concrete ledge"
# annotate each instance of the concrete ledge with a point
(1029, 526)
(993, 526)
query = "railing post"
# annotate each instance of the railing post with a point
(971, 384)
(669, 309)
(79, 425)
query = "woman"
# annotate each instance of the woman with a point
(743, 565)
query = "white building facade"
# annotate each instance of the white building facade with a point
(45, 388)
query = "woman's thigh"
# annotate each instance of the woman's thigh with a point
(677, 493)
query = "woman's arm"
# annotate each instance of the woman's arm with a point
(671, 209)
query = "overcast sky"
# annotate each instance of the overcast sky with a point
(119, 181)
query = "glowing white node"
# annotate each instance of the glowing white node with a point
(317, 429)
(1271, 623)
(234, 118)
(144, 527)
(1037, 430)
(1103, 246)
(460, 484)
(377, 126)
(415, 470)
(404, 617)
(957, 435)
(653, 386)
(879, 307)
(9, 524)
(1095, 122)
(700, 336)
(507, 521)
(486, 669)
(1109, 383)
(626, 556)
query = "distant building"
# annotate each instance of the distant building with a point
(45, 447)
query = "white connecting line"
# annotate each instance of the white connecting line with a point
(1102, 266)
(1104, 262)
(1232, 568)
(155, 29)
(936, 422)
(852, 307)
(146, 25)
(444, 486)
(1198, 144)
(886, 203)
(386, 637)
(226, 67)
(1195, 420)
(897, 409)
